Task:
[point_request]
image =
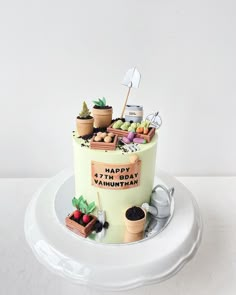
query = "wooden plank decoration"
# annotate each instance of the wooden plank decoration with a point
(79, 229)
(148, 137)
(115, 176)
(104, 145)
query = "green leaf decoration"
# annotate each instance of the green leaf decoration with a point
(74, 202)
(83, 206)
(81, 198)
(96, 103)
(100, 102)
(86, 208)
(91, 207)
(104, 101)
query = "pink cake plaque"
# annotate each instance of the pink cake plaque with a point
(115, 176)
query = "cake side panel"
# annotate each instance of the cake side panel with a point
(114, 201)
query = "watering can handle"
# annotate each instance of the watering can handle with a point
(170, 192)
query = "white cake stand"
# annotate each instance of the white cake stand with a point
(110, 267)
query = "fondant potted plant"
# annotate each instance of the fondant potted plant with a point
(81, 220)
(84, 121)
(135, 218)
(102, 113)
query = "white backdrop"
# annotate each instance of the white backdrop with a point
(54, 54)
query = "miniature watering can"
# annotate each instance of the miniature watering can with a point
(160, 202)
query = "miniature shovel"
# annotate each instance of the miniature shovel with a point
(101, 213)
(131, 79)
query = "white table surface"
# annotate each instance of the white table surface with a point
(212, 270)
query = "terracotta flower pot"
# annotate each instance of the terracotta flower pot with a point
(135, 226)
(84, 126)
(102, 117)
(130, 238)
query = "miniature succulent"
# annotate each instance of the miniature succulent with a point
(85, 113)
(100, 102)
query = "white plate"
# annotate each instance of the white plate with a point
(112, 267)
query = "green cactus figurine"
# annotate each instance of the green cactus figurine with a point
(85, 113)
(84, 122)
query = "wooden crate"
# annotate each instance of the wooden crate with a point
(148, 137)
(81, 230)
(101, 145)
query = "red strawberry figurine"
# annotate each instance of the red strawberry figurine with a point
(77, 214)
(86, 218)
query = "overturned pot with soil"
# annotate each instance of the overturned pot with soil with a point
(135, 218)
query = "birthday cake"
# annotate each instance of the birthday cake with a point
(114, 165)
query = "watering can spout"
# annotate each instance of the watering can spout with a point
(150, 209)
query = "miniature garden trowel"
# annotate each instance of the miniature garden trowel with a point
(101, 213)
(131, 79)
